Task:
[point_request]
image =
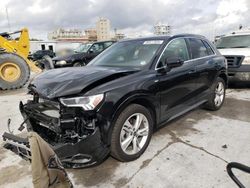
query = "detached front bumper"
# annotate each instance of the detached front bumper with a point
(87, 152)
(77, 143)
(239, 74)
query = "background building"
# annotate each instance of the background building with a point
(162, 29)
(74, 35)
(117, 35)
(103, 29)
(91, 34)
(100, 33)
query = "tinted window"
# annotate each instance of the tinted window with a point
(134, 53)
(83, 47)
(98, 47)
(209, 49)
(176, 48)
(107, 44)
(197, 48)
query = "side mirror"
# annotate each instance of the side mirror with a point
(173, 62)
(91, 51)
(170, 63)
(163, 69)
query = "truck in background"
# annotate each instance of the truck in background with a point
(236, 49)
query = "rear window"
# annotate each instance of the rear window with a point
(209, 49)
(197, 48)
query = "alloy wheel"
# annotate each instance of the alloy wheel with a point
(134, 133)
(219, 94)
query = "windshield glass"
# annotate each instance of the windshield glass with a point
(83, 48)
(240, 41)
(128, 54)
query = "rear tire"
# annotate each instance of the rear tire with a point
(217, 97)
(14, 71)
(131, 133)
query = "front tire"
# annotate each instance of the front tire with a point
(78, 64)
(14, 71)
(131, 133)
(217, 97)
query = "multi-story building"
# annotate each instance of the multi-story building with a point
(100, 33)
(162, 29)
(74, 35)
(91, 34)
(103, 29)
(117, 36)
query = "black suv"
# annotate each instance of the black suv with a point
(39, 54)
(83, 54)
(114, 104)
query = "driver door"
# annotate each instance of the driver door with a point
(94, 50)
(177, 87)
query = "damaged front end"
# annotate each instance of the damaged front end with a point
(73, 133)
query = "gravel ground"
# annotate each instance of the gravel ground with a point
(192, 151)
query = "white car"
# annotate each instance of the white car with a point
(236, 49)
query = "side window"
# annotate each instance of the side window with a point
(96, 48)
(176, 48)
(197, 48)
(209, 49)
(107, 44)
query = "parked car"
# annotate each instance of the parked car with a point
(82, 56)
(115, 103)
(39, 54)
(236, 48)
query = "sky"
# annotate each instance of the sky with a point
(132, 17)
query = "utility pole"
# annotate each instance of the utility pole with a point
(7, 14)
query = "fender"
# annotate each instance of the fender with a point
(138, 97)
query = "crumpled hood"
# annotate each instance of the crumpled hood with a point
(69, 81)
(69, 57)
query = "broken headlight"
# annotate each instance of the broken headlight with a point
(86, 102)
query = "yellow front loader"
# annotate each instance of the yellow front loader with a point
(14, 64)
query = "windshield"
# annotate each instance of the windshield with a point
(240, 41)
(128, 54)
(83, 48)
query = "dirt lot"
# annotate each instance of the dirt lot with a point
(192, 151)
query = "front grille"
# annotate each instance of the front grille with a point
(234, 61)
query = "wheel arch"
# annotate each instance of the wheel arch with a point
(223, 75)
(146, 103)
(133, 99)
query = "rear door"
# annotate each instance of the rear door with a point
(204, 58)
(178, 86)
